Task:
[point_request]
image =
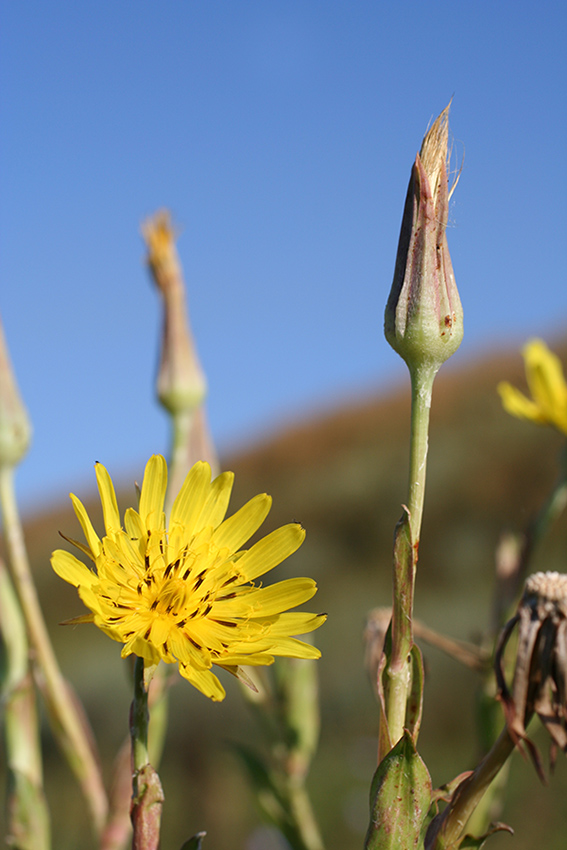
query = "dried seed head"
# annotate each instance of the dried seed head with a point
(546, 593)
(540, 675)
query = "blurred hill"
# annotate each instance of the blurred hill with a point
(343, 475)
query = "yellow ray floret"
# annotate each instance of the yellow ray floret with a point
(544, 374)
(185, 593)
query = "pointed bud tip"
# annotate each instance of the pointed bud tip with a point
(424, 317)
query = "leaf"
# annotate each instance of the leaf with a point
(445, 792)
(469, 842)
(414, 706)
(400, 798)
(383, 687)
(195, 842)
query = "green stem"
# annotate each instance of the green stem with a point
(422, 378)
(179, 460)
(556, 502)
(68, 724)
(139, 721)
(147, 793)
(406, 547)
(27, 812)
(302, 814)
(469, 794)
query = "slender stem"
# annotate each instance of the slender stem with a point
(303, 816)
(73, 737)
(147, 793)
(405, 557)
(179, 459)
(27, 812)
(470, 792)
(139, 721)
(422, 378)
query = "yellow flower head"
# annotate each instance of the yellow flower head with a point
(186, 594)
(544, 373)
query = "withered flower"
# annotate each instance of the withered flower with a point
(540, 677)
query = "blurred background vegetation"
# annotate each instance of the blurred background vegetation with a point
(343, 475)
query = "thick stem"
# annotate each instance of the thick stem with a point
(68, 724)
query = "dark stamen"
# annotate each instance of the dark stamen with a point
(229, 581)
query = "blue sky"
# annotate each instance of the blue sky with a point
(281, 136)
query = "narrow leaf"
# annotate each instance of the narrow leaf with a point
(471, 843)
(415, 701)
(195, 842)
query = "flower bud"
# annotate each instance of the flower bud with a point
(15, 427)
(424, 317)
(181, 384)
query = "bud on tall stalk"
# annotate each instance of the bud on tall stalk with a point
(424, 324)
(424, 317)
(181, 383)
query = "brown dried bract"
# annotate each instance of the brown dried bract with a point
(540, 676)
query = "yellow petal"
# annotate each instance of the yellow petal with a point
(294, 623)
(544, 374)
(252, 659)
(271, 551)
(153, 491)
(292, 648)
(192, 496)
(91, 536)
(216, 505)
(238, 528)
(108, 499)
(205, 681)
(161, 628)
(72, 570)
(281, 596)
(91, 600)
(516, 403)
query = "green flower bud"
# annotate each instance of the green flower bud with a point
(15, 427)
(424, 317)
(181, 385)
